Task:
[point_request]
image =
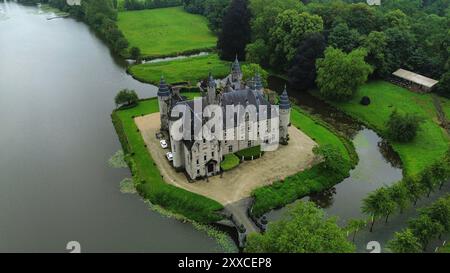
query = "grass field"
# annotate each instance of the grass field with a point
(431, 142)
(312, 180)
(146, 175)
(185, 70)
(166, 31)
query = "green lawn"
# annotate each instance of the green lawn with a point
(446, 106)
(312, 180)
(431, 142)
(166, 31)
(185, 70)
(230, 162)
(146, 175)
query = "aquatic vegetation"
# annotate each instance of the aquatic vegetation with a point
(118, 160)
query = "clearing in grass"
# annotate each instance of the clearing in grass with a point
(166, 31)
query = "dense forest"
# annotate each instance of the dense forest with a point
(288, 36)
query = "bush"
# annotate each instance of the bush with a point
(365, 101)
(403, 128)
(250, 153)
(126, 97)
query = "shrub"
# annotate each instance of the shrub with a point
(403, 128)
(126, 97)
(231, 161)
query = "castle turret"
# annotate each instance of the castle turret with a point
(211, 94)
(164, 98)
(285, 116)
(236, 74)
(258, 84)
(228, 86)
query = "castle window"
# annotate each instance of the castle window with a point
(197, 162)
(230, 149)
(249, 143)
(212, 154)
(204, 157)
(198, 171)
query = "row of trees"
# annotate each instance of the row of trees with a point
(431, 223)
(387, 200)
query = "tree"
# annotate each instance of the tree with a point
(396, 18)
(258, 52)
(333, 162)
(415, 189)
(361, 17)
(440, 171)
(378, 203)
(235, 34)
(444, 84)
(135, 53)
(399, 194)
(303, 71)
(344, 38)
(250, 70)
(339, 74)
(303, 229)
(439, 212)
(355, 225)
(126, 97)
(400, 49)
(425, 229)
(375, 44)
(287, 33)
(403, 128)
(405, 242)
(428, 181)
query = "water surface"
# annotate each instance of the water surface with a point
(57, 86)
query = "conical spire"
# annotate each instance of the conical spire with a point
(211, 81)
(258, 83)
(236, 67)
(284, 100)
(163, 88)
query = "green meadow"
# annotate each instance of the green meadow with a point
(166, 31)
(431, 142)
(185, 70)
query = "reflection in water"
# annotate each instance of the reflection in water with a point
(324, 199)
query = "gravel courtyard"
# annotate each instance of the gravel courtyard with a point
(238, 183)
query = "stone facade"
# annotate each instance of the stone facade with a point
(202, 158)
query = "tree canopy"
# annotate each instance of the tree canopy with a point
(303, 229)
(340, 74)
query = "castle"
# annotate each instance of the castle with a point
(202, 158)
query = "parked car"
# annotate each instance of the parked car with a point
(164, 144)
(169, 156)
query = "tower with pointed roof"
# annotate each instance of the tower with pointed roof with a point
(211, 90)
(258, 86)
(164, 98)
(285, 116)
(236, 74)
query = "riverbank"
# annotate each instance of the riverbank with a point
(146, 176)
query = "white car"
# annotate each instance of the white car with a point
(169, 156)
(163, 144)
